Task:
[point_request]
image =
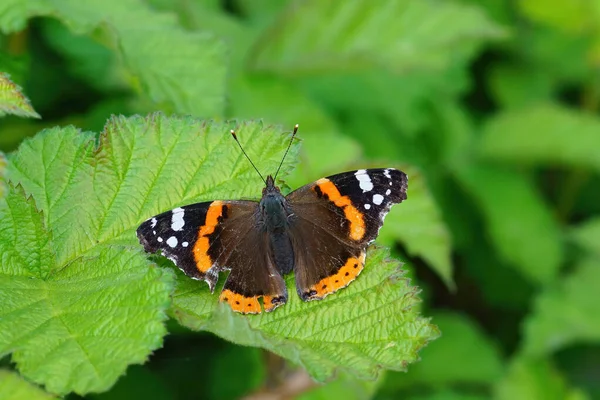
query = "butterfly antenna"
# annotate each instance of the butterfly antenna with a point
(243, 151)
(286, 151)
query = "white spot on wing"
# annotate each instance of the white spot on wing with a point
(367, 206)
(387, 192)
(386, 173)
(159, 239)
(364, 180)
(377, 199)
(153, 222)
(172, 241)
(185, 244)
(177, 221)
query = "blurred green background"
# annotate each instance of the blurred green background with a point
(491, 106)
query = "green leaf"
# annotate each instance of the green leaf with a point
(136, 171)
(566, 313)
(587, 235)
(531, 378)
(543, 134)
(93, 196)
(507, 82)
(480, 360)
(519, 223)
(316, 36)
(183, 69)
(13, 387)
(86, 58)
(13, 101)
(574, 16)
(73, 326)
(2, 173)
(419, 225)
(368, 326)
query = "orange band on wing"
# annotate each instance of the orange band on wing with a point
(240, 303)
(341, 279)
(357, 222)
(203, 260)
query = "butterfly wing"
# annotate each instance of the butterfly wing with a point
(205, 238)
(334, 220)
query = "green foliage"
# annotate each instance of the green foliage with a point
(13, 387)
(370, 325)
(533, 244)
(479, 358)
(51, 306)
(491, 107)
(12, 100)
(153, 47)
(566, 313)
(361, 34)
(543, 134)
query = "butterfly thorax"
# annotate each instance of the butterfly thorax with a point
(273, 208)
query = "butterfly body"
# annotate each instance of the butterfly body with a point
(275, 220)
(319, 231)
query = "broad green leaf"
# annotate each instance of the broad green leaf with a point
(93, 197)
(74, 326)
(183, 69)
(566, 313)
(531, 378)
(543, 134)
(316, 36)
(13, 387)
(13, 101)
(370, 325)
(142, 166)
(587, 235)
(418, 223)
(137, 171)
(480, 360)
(519, 223)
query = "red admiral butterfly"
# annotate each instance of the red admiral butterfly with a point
(320, 231)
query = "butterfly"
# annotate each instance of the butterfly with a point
(320, 232)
